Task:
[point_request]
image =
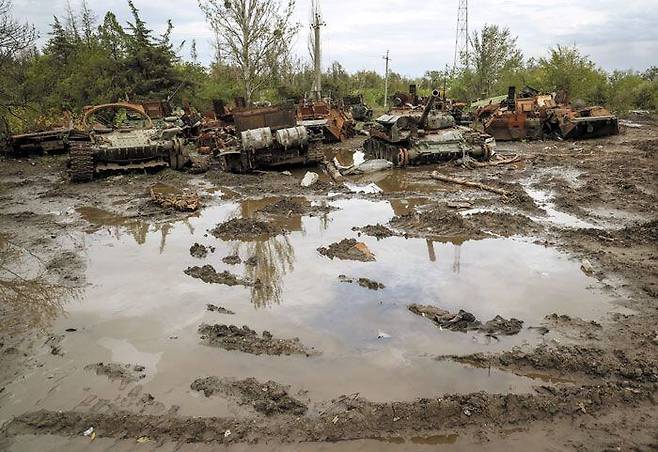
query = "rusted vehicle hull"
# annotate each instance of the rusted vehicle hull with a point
(535, 116)
(324, 123)
(269, 137)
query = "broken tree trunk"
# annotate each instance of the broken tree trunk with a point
(438, 176)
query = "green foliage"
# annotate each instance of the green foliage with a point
(86, 63)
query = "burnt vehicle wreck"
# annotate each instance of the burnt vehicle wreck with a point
(415, 135)
(269, 137)
(121, 137)
(533, 116)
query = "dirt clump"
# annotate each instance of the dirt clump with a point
(439, 222)
(269, 398)
(245, 229)
(574, 359)
(230, 337)
(285, 206)
(232, 260)
(198, 250)
(219, 309)
(504, 224)
(127, 373)
(583, 329)
(377, 230)
(348, 249)
(363, 282)
(209, 275)
(465, 321)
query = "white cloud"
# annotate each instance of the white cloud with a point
(420, 35)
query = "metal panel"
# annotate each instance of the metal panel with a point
(257, 118)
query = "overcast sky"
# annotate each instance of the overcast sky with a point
(419, 34)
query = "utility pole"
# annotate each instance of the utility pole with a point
(386, 80)
(317, 55)
(461, 40)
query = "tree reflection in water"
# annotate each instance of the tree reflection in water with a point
(28, 299)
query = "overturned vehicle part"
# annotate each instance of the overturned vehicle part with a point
(122, 137)
(269, 137)
(425, 137)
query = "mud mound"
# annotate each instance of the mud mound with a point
(649, 146)
(219, 309)
(465, 321)
(209, 275)
(232, 260)
(573, 326)
(437, 222)
(269, 398)
(349, 250)
(285, 206)
(127, 373)
(363, 282)
(247, 340)
(592, 361)
(504, 224)
(642, 233)
(378, 231)
(198, 250)
(245, 229)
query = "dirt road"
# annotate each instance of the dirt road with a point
(126, 325)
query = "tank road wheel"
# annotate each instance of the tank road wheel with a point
(177, 157)
(81, 162)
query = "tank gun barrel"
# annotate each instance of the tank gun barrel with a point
(428, 108)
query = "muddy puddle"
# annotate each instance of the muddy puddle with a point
(140, 308)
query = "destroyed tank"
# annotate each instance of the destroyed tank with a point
(415, 135)
(122, 137)
(269, 138)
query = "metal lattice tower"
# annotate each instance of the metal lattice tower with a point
(461, 40)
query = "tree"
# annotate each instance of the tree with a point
(255, 34)
(567, 69)
(494, 52)
(15, 37)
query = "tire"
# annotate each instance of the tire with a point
(81, 162)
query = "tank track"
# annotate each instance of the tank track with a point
(81, 162)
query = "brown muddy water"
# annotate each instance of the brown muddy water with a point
(140, 308)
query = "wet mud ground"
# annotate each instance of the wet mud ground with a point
(278, 317)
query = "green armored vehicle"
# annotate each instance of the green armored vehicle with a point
(122, 137)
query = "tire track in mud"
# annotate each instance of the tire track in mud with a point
(347, 418)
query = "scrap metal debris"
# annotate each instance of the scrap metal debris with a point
(184, 202)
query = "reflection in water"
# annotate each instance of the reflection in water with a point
(117, 224)
(457, 260)
(430, 250)
(275, 258)
(27, 301)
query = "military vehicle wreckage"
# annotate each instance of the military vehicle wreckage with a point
(414, 135)
(269, 137)
(121, 137)
(531, 115)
